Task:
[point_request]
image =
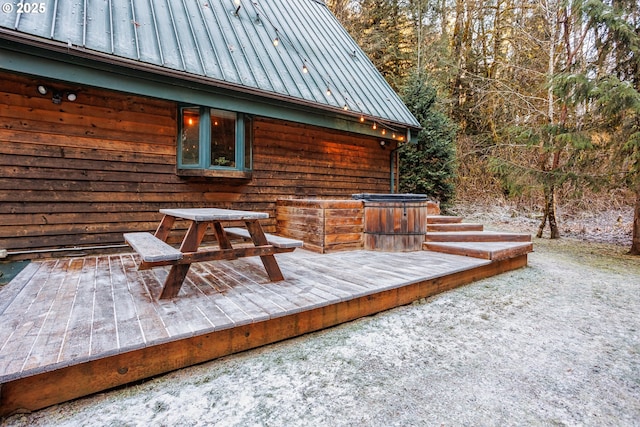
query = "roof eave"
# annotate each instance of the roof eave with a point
(81, 52)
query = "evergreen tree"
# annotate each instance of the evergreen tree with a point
(609, 91)
(428, 166)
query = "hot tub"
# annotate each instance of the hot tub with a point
(394, 222)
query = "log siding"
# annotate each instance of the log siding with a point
(81, 173)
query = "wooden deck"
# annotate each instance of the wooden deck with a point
(76, 326)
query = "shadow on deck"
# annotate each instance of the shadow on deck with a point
(72, 327)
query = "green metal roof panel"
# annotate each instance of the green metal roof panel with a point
(207, 39)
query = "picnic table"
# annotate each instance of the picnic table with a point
(154, 250)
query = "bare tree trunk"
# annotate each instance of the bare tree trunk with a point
(549, 213)
(635, 241)
(553, 224)
(545, 215)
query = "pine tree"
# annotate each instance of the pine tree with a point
(428, 166)
(609, 90)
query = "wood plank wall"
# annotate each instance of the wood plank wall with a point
(82, 173)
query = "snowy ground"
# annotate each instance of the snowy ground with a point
(556, 343)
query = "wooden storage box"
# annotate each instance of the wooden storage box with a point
(324, 225)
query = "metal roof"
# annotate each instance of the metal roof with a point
(226, 43)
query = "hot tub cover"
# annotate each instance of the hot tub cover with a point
(390, 197)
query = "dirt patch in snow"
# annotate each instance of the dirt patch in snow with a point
(555, 343)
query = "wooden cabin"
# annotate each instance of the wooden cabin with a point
(112, 112)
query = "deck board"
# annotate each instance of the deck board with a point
(239, 308)
(288, 289)
(17, 300)
(67, 312)
(46, 349)
(104, 331)
(311, 286)
(128, 326)
(13, 292)
(261, 291)
(151, 326)
(78, 330)
(19, 349)
(218, 309)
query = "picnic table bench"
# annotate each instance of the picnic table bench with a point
(277, 241)
(154, 251)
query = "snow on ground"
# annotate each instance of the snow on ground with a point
(555, 343)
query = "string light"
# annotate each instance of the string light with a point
(282, 37)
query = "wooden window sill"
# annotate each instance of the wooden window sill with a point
(214, 173)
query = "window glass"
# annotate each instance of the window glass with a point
(190, 138)
(223, 139)
(214, 140)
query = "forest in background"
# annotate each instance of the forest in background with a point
(535, 101)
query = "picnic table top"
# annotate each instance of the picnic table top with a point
(214, 214)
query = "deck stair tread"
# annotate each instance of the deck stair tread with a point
(493, 251)
(443, 219)
(477, 236)
(454, 227)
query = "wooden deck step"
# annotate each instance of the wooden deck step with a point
(494, 251)
(443, 219)
(455, 227)
(477, 236)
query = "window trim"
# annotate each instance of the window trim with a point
(204, 167)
